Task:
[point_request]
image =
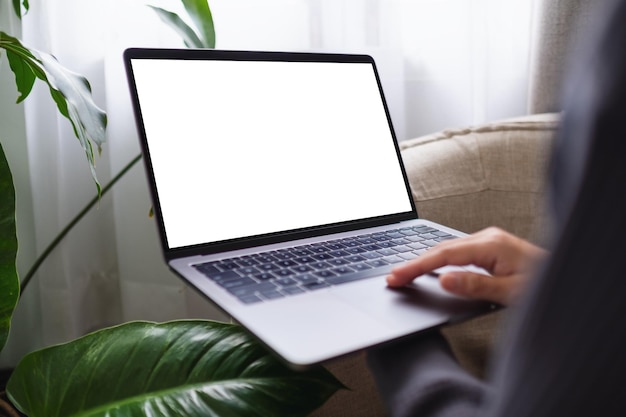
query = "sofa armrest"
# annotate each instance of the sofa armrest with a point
(488, 175)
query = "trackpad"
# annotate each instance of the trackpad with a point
(422, 304)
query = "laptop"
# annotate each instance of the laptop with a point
(280, 194)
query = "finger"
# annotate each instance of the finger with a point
(459, 252)
(481, 287)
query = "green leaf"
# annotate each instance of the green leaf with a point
(190, 38)
(9, 281)
(17, 7)
(180, 368)
(75, 91)
(70, 91)
(23, 63)
(24, 75)
(200, 14)
(198, 10)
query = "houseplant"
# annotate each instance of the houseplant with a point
(138, 368)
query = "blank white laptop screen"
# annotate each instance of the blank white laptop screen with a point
(246, 148)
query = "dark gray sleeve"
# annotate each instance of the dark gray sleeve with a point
(418, 376)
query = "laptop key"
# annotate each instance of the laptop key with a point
(227, 266)
(366, 240)
(417, 245)
(407, 256)
(350, 243)
(324, 273)
(224, 276)
(335, 246)
(339, 253)
(387, 252)
(322, 256)
(248, 270)
(286, 263)
(377, 263)
(355, 258)
(264, 258)
(232, 283)
(265, 276)
(320, 265)
(285, 282)
(356, 276)
(249, 299)
(292, 290)
(283, 255)
(252, 289)
(342, 270)
(272, 295)
(360, 266)
(355, 250)
(307, 278)
(305, 259)
(207, 268)
(319, 248)
(371, 247)
(338, 261)
(316, 285)
(246, 262)
(267, 267)
(283, 273)
(301, 269)
(402, 248)
(428, 236)
(393, 259)
(386, 244)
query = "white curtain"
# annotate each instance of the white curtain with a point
(443, 63)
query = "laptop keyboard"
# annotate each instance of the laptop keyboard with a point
(284, 272)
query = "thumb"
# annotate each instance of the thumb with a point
(478, 286)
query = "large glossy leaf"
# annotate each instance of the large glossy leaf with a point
(9, 281)
(70, 91)
(181, 368)
(200, 13)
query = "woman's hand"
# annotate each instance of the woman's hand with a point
(510, 261)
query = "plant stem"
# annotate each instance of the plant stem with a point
(31, 272)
